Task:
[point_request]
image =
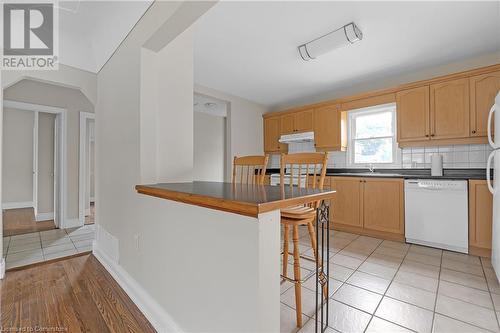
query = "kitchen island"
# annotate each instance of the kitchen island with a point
(224, 251)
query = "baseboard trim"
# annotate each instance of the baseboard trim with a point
(2, 268)
(71, 223)
(160, 320)
(15, 205)
(44, 217)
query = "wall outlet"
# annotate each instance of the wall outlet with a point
(136, 240)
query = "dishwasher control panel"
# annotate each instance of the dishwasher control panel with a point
(452, 185)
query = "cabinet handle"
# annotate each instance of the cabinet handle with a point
(474, 132)
(427, 135)
(432, 134)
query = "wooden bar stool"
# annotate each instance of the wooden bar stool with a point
(249, 169)
(300, 168)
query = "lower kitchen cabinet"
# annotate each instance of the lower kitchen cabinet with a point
(370, 206)
(480, 218)
(346, 205)
(383, 205)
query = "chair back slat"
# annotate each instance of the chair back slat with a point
(249, 169)
(315, 162)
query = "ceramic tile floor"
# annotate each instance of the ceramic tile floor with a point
(386, 286)
(41, 246)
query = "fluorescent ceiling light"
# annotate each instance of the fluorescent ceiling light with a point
(348, 34)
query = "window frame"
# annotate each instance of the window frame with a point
(351, 131)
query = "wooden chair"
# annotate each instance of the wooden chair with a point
(249, 169)
(305, 166)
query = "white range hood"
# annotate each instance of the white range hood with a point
(297, 137)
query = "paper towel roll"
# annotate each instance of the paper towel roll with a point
(436, 165)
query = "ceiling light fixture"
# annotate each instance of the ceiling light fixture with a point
(348, 34)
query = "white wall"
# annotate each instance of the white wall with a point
(144, 130)
(74, 101)
(385, 81)
(17, 170)
(246, 132)
(209, 147)
(45, 186)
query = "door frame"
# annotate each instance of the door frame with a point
(83, 164)
(61, 164)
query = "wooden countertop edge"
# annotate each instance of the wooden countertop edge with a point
(230, 206)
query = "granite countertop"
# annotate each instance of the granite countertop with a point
(244, 199)
(404, 173)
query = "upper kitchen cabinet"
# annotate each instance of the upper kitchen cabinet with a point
(483, 89)
(413, 116)
(328, 128)
(272, 135)
(449, 109)
(297, 122)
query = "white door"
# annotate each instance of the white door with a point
(57, 193)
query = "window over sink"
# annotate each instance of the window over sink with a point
(372, 136)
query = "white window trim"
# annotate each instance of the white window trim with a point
(396, 153)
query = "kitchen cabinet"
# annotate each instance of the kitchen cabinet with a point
(272, 135)
(413, 116)
(370, 206)
(483, 89)
(383, 205)
(347, 202)
(449, 109)
(297, 122)
(480, 218)
(328, 128)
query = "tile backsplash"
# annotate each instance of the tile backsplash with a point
(454, 157)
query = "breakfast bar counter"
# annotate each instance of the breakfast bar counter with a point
(244, 199)
(221, 247)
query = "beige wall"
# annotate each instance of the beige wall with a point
(17, 171)
(209, 147)
(245, 124)
(74, 101)
(45, 196)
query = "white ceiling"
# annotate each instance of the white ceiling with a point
(90, 31)
(250, 49)
(209, 105)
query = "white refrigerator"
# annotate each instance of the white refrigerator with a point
(494, 186)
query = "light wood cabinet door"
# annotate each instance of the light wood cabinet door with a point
(449, 109)
(413, 114)
(272, 134)
(483, 89)
(287, 124)
(383, 205)
(303, 121)
(480, 214)
(327, 127)
(347, 202)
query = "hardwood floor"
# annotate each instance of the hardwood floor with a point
(72, 295)
(22, 221)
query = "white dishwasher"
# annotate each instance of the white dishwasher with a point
(436, 213)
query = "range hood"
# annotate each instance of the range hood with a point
(297, 137)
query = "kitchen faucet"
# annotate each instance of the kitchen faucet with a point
(371, 167)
